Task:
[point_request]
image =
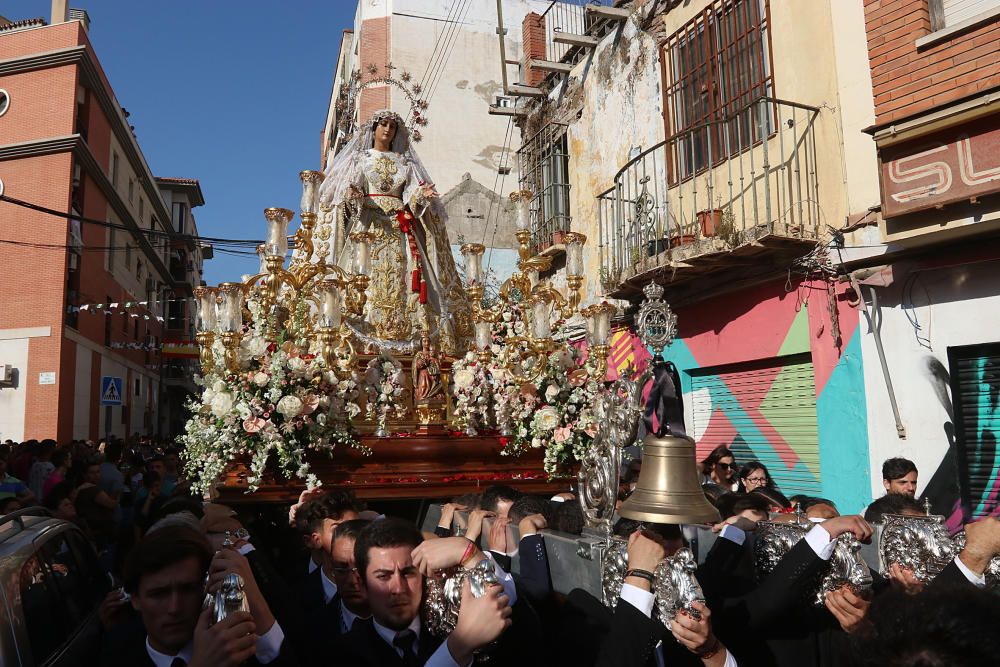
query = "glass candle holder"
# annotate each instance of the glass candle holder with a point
(328, 292)
(522, 205)
(277, 231)
(206, 314)
(472, 253)
(601, 323)
(231, 310)
(362, 252)
(484, 336)
(574, 253)
(541, 326)
(310, 190)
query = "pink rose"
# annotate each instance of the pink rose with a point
(309, 404)
(562, 434)
(253, 424)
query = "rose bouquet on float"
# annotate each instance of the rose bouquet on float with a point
(280, 403)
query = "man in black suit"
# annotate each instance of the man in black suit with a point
(982, 544)
(315, 522)
(629, 635)
(165, 577)
(391, 557)
(346, 601)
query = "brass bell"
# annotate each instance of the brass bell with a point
(668, 490)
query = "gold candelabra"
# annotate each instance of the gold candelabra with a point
(542, 300)
(328, 289)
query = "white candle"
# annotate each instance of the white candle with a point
(484, 335)
(330, 313)
(602, 326)
(206, 316)
(523, 219)
(540, 319)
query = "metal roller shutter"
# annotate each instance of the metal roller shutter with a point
(975, 383)
(764, 411)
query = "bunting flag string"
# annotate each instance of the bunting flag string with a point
(124, 308)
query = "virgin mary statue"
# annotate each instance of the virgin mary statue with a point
(380, 186)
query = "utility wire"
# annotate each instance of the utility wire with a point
(147, 232)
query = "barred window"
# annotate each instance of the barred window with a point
(544, 165)
(718, 66)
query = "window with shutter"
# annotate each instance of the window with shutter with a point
(949, 13)
(764, 411)
(975, 388)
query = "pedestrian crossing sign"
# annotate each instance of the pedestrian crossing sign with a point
(111, 390)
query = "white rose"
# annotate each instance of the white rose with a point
(256, 346)
(219, 386)
(507, 317)
(547, 418)
(222, 404)
(296, 364)
(289, 406)
(261, 379)
(464, 378)
(536, 443)
(206, 398)
(353, 410)
(551, 392)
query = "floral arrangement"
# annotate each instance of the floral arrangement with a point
(384, 385)
(472, 392)
(556, 411)
(281, 402)
(553, 411)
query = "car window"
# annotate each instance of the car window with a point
(60, 586)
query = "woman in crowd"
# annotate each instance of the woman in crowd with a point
(62, 460)
(754, 475)
(718, 468)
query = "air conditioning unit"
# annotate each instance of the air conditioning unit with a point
(6, 375)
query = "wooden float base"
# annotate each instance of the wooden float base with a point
(406, 466)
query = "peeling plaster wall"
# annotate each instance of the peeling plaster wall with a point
(461, 137)
(817, 50)
(621, 108)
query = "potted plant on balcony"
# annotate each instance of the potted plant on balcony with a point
(727, 229)
(682, 236)
(710, 220)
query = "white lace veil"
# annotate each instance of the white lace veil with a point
(345, 167)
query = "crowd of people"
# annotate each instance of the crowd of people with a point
(333, 583)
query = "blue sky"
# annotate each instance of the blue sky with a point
(231, 93)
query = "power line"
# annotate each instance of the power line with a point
(446, 54)
(148, 232)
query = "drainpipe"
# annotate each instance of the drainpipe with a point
(875, 328)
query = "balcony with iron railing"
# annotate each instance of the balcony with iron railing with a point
(571, 26)
(712, 197)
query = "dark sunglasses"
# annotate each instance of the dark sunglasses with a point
(726, 466)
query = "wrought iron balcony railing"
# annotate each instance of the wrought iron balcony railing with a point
(711, 189)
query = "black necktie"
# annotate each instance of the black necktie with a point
(406, 640)
(178, 662)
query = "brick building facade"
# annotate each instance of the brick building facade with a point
(66, 145)
(935, 70)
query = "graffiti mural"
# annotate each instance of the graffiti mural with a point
(762, 372)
